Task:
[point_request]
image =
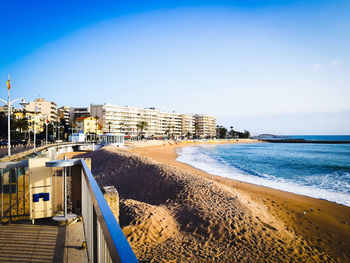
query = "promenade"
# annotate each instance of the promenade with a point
(42, 242)
(14, 150)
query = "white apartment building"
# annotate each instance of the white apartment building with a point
(124, 120)
(188, 125)
(116, 119)
(206, 125)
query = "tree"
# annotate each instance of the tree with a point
(196, 130)
(231, 132)
(109, 126)
(170, 131)
(97, 118)
(221, 131)
(20, 124)
(3, 125)
(122, 124)
(141, 126)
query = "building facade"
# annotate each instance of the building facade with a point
(75, 113)
(46, 108)
(63, 114)
(124, 120)
(4, 110)
(188, 125)
(87, 125)
(206, 126)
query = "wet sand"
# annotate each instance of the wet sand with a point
(172, 212)
(322, 224)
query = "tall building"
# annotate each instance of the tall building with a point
(188, 125)
(124, 120)
(206, 125)
(63, 114)
(46, 108)
(75, 113)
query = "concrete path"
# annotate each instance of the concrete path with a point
(42, 243)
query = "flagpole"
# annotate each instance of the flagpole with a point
(34, 127)
(8, 121)
(46, 130)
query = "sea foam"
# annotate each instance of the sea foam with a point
(198, 159)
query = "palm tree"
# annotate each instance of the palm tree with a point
(20, 124)
(231, 131)
(170, 131)
(97, 118)
(142, 125)
(122, 124)
(109, 126)
(196, 130)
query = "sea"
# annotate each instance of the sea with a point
(315, 170)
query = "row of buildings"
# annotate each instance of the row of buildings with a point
(112, 119)
(124, 120)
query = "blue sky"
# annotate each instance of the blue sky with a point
(266, 66)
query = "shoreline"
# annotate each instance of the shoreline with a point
(152, 153)
(323, 223)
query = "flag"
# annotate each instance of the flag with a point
(36, 109)
(8, 85)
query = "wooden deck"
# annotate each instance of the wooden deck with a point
(42, 242)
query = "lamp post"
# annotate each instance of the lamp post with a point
(9, 103)
(53, 131)
(71, 133)
(35, 111)
(46, 132)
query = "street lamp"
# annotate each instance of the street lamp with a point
(9, 104)
(59, 130)
(71, 136)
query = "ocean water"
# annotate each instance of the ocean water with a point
(317, 137)
(315, 170)
(321, 137)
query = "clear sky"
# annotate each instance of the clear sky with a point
(266, 66)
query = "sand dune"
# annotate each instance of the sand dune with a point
(170, 215)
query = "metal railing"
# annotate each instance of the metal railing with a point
(105, 239)
(14, 191)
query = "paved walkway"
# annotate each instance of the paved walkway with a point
(42, 243)
(15, 150)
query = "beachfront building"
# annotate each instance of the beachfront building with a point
(116, 119)
(87, 125)
(188, 125)
(45, 108)
(75, 113)
(171, 124)
(205, 126)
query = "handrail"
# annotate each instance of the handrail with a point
(118, 246)
(23, 163)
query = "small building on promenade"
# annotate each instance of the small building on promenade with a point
(88, 125)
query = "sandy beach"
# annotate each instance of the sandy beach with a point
(172, 212)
